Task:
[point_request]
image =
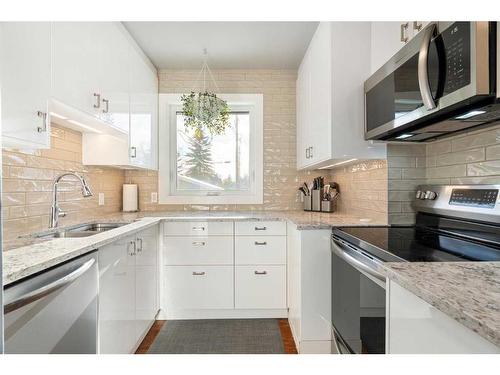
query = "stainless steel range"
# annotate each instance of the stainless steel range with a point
(453, 224)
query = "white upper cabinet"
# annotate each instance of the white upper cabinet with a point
(91, 70)
(78, 66)
(330, 97)
(25, 82)
(143, 113)
(388, 37)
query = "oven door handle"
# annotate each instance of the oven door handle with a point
(423, 74)
(343, 251)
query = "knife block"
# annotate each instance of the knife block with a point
(316, 200)
(307, 203)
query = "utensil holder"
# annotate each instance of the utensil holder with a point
(307, 203)
(327, 206)
(316, 200)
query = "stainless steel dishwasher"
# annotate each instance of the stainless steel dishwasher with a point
(54, 311)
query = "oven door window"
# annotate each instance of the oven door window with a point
(358, 310)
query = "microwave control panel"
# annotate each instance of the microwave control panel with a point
(456, 41)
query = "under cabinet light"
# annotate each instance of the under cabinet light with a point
(77, 123)
(404, 136)
(339, 163)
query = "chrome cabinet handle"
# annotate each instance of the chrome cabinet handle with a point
(198, 273)
(199, 243)
(260, 243)
(106, 109)
(311, 152)
(97, 103)
(423, 76)
(404, 37)
(260, 272)
(139, 248)
(417, 26)
(307, 153)
(43, 116)
(45, 290)
(133, 152)
(198, 229)
(260, 228)
(132, 253)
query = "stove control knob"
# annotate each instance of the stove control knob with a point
(430, 195)
(419, 194)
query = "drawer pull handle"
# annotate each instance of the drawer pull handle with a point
(260, 228)
(198, 228)
(198, 273)
(261, 243)
(199, 243)
(260, 272)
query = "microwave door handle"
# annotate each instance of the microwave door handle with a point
(47, 289)
(339, 250)
(423, 75)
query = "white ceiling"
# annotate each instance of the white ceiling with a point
(230, 45)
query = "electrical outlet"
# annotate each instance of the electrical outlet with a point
(101, 199)
(154, 197)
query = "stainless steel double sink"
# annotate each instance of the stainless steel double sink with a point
(80, 230)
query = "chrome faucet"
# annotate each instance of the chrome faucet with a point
(55, 211)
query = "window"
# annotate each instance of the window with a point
(200, 168)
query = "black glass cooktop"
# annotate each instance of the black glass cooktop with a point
(415, 244)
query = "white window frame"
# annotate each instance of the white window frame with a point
(169, 105)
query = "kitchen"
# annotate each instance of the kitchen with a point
(331, 189)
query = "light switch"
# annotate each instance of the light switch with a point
(101, 199)
(154, 197)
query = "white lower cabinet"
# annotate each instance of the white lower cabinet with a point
(224, 270)
(199, 287)
(416, 327)
(260, 287)
(128, 279)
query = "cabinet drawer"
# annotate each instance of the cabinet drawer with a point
(194, 250)
(260, 287)
(199, 287)
(260, 228)
(198, 228)
(260, 250)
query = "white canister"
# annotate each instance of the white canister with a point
(130, 198)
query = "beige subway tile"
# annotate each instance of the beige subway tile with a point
(401, 161)
(10, 158)
(462, 157)
(487, 168)
(438, 147)
(447, 171)
(485, 138)
(405, 149)
(38, 197)
(475, 180)
(413, 173)
(56, 131)
(13, 199)
(493, 152)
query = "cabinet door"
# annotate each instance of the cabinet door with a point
(320, 122)
(386, 41)
(143, 112)
(114, 75)
(146, 280)
(117, 329)
(260, 287)
(303, 91)
(25, 83)
(78, 51)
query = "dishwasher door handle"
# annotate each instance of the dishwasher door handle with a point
(49, 288)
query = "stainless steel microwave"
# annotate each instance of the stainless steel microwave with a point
(443, 81)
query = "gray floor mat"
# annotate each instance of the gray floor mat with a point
(214, 336)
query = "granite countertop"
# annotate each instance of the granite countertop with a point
(469, 292)
(26, 256)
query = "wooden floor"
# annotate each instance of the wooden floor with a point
(286, 336)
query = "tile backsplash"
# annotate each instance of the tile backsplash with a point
(469, 158)
(27, 185)
(363, 189)
(281, 178)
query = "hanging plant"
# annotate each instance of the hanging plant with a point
(204, 110)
